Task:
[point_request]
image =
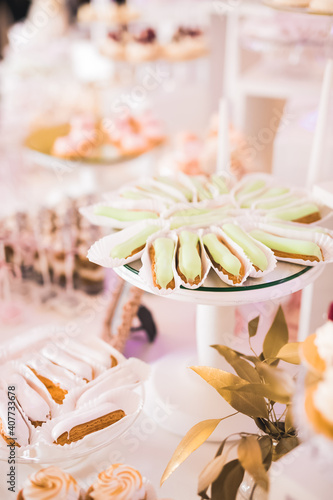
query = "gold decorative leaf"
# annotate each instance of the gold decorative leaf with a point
(211, 472)
(250, 403)
(288, 421)
(253, 326)
(226, 485)
(284, 446)
(266, 446)
(290, 353)
(250, 457)
(276, 337)
(193, 439)
(280, 381)
(241, 367)
(263, 390)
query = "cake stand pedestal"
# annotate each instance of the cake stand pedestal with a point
(182, 395)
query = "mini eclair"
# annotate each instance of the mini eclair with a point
(223, 257)
(288, 247)
(189, 263)
(161, 254)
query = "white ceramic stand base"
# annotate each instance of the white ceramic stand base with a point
(186, 398)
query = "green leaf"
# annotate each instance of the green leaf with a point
(276, 337)
(193, 439)
(250, 403)
(250, 457)
(284, 446)
(290, 353)
(253, 326)
(226, 485)
(241, 367)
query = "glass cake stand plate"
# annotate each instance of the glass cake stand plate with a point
(185, 397)
(285, 279)
(38, 147)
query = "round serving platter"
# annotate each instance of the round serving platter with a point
(38, 146)
(286, 278)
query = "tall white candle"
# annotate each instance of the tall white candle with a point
(316, 158)
(223, 145)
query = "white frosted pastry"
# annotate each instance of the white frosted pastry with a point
(32, 403)
(68, 361)
(93, 352)
(79, 423)
(120, 482)
(50, 484)
(131, 372)
(20, 433)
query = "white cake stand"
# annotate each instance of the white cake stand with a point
(185, 397)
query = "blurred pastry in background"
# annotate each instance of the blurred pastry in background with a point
(143, 47)
(186, 43)
(112, 12)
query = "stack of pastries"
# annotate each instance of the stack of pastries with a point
(128, 134)
(135, 46)
(66, 393)
(183, 226)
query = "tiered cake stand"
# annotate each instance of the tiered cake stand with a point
(186, 398)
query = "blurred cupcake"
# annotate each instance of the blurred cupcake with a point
(317, 349)
(319, 405)
(50, 484)
(120, 482)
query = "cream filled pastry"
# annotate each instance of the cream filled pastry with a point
(80, 423)
(15, 429)
(248, 244)
(57, 380)
(223, 258)
(276, 203)
(219, 183)
(30, 401)
(249, 187)
(50, 484)
(199, 217)
(125, 215)
(134, 244)
(134, 195)
(305, 213)
(161, 254)
(189, 263)
(177, 185)
(127, 374)
(94, 352)
(60, 357)
(202, 189)
(120, 482)
(288, 247)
